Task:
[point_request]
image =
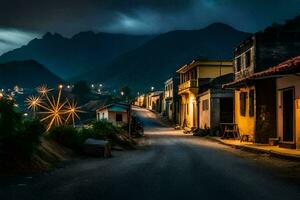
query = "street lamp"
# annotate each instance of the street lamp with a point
(122, 93)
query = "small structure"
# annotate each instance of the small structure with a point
(97, 148)
(154, 101)
(215, 103)
(171, 104)
(115, 113)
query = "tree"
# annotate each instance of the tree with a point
(82, 91)
(125, 92)
(10, 120)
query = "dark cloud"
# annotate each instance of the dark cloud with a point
(140, 16)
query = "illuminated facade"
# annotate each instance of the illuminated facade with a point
(255, 98)
(287, 75)
(191, 77)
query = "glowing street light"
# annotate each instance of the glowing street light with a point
(122, 93)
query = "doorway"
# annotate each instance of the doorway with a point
(226, 110)
(288, 114)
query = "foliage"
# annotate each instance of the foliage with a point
(18, 138)
(10, 121)
(66, 136)
(126, 91)
(29, 136)
(105, 129)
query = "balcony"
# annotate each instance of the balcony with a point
(188, 86)
(244, 73)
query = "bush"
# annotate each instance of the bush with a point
(10, 120)
(66, 136)
(105, 130)
(18, 138)
(29, 138)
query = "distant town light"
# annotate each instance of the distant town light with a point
(68, 86)
(25, 114)
(60, 86)
(93, 85)
(1, 95)
(100, 85)
(122, 93)
(152, 88)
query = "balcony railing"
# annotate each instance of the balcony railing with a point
(244, 73)
(188, 84)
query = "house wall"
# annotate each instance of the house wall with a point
(213, 71)
(246, 124)
(282, 83)
(112, 117)
(103, 114)
(265, 97)
(204, 115)
(188, 114)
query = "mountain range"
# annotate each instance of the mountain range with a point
(118, 59)
(69, 57)
(28, 73)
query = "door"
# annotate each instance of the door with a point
(226, 110)
(288, 115)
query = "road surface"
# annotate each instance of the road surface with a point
(167, 165)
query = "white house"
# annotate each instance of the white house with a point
(116, 113)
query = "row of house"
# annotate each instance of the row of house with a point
(258, 91)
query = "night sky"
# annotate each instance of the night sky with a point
(23, 20)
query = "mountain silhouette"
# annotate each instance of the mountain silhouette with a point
(69, 57)
(28, 73)
(157, 59)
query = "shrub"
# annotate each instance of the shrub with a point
(18, 138)
(105, 130)
(66, 136)
(10, 120)
(29, 137)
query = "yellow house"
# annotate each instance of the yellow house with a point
(191, 77)
(255, 97)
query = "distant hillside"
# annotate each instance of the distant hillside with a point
(158, 59)
(27, 73)
(292, 25)
(69, 57)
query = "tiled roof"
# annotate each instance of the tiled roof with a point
(289, 66)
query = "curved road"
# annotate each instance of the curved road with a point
(167, 165)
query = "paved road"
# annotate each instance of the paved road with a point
(168, 165)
